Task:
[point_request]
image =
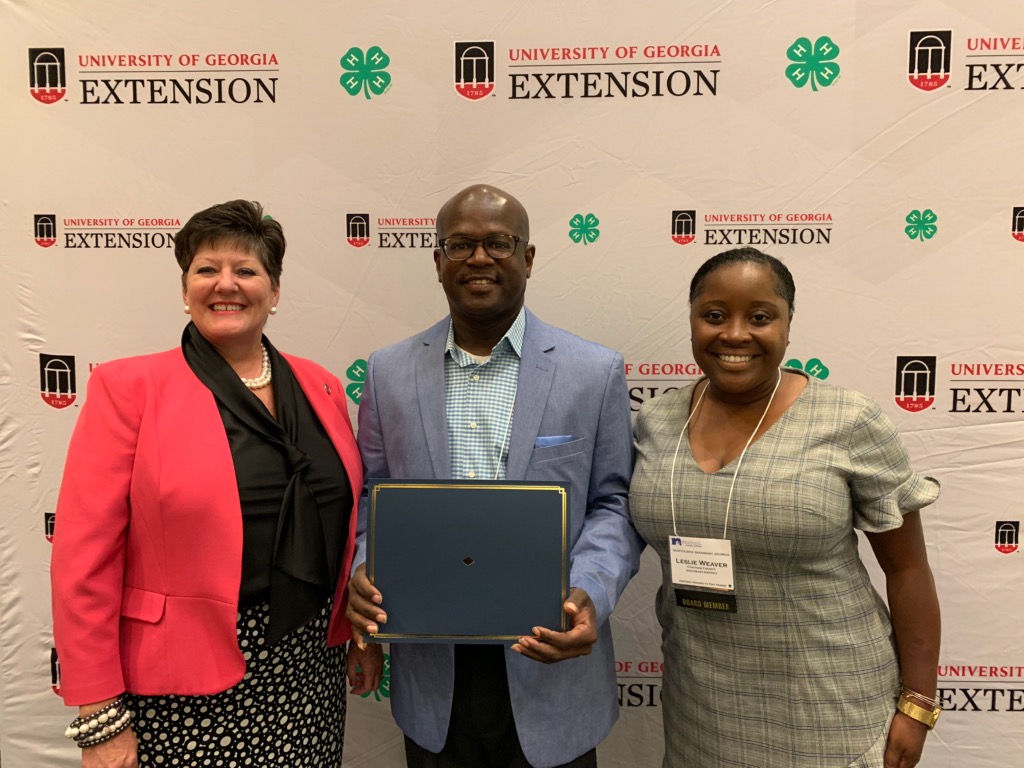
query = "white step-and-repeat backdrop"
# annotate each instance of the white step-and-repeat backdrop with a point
(874, 146)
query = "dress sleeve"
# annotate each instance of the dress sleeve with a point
(882, 483)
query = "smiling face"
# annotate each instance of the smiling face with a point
(482, 291)
(739, 327)
(229, 293)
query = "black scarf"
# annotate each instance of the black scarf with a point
(308, 541)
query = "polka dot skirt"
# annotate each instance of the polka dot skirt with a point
(288, 710)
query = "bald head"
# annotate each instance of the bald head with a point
(485, 293)
(484, 199)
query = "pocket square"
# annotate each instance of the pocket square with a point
(550, 440)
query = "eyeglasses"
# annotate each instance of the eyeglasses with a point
(498, 246)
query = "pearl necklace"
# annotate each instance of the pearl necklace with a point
(266, 374)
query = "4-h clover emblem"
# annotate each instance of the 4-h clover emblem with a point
(584, 228)
(365, 73)
(384, 692)
(921, 225)
(814, 63)
(813, 367)
(357, 375)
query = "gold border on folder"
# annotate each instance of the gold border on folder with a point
(516, 487)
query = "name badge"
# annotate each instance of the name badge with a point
(702, 573)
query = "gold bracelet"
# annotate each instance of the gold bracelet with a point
(927, 716)
(930, 703)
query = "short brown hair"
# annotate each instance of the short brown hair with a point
(237, 222)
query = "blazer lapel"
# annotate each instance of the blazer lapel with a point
(536, 373)
(430, 394)
(318, 392)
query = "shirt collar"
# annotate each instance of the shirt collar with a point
(513, 337)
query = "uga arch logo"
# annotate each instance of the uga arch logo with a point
(1007, 536)
(915, 382)
(357, 229)
(684, 226)
(57, 379)
(44, 226)
(474, 69)
(929, 59)
(47, 75)
(54, 671)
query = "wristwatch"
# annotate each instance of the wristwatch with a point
(923, 715)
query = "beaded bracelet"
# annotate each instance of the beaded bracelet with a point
(106, 733)
(99, 726)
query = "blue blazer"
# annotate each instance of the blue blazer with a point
(567, 386)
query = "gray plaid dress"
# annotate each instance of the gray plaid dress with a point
(805, 673)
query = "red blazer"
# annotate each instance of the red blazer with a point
(147, 551)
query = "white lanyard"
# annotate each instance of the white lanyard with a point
(739, 463)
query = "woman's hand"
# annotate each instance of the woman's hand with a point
(906, 742)
(363, 611)
(122, 751)
(370, 662)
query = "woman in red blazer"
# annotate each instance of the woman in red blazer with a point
(206, 527)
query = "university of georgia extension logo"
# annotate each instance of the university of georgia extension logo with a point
(54, 671)
(47, 81)
(915, 382)
(57, 379)
(474, 69)
(357, 229)
(684, 227)
(929, 59)
(1017, 226)
(1007, 536)
(44, 229)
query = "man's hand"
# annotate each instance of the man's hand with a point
(363, 610)
(370, 663)
(549, 646)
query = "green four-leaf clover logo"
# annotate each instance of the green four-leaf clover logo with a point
(384, 692)
(584, 228)
(813, 367)
(365, 73)
(921, 225)
(814, 62)
(357, 375)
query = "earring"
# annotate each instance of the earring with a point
(187, 309)
(273, 310)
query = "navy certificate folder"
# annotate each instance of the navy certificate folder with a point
(468, 560)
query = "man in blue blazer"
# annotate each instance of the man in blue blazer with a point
(494, 392)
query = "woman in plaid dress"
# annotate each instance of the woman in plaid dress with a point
(778, 651)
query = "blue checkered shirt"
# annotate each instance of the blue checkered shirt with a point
(478, 404)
